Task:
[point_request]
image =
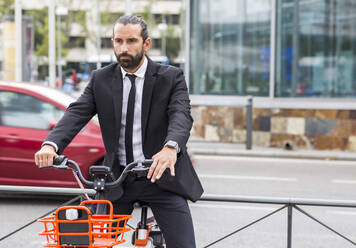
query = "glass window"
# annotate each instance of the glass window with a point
(230, 47)
(315, 48)
(106, 43)
(21, 110)
(174, 19)
(75, 42)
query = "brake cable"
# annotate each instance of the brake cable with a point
(80, 184)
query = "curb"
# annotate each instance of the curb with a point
(223, 149)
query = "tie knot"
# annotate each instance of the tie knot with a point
(132, 78)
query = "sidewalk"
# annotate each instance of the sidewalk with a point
(229, 149)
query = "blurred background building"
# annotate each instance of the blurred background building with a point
(78, 23)
(295, 57)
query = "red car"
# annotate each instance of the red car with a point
(27, 114)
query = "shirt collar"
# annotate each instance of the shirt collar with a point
(140, 72)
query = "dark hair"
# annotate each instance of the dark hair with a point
(129, 19)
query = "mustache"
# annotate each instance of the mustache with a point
(125, 54)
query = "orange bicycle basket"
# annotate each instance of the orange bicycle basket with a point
(75, 226)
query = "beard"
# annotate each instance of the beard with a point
(130, 61)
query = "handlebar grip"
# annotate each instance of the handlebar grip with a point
(59, 160)
(46, 167)
(58, 167)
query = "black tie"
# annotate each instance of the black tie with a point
(129, 120)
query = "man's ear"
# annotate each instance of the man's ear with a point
(147, 44)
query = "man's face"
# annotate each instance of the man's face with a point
(129, 46)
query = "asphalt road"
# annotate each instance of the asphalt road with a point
(259, 177)
(269, 177)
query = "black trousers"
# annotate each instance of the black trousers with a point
(170, 210)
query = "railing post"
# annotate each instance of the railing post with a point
(249, 123)
(289, 234)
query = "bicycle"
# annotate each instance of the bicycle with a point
(89, 225)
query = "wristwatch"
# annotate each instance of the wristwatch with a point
(172, 144)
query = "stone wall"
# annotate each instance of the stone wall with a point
(305, 128)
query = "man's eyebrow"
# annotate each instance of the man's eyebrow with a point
(129, 38)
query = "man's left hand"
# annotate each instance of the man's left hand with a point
(162, 160)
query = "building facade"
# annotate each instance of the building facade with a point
(295, 57)
(87, 26)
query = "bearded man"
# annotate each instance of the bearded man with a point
(144, 112)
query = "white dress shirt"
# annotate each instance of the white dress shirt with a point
(137, 132)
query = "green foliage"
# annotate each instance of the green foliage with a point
(78, 17)
(64, 40)
(6, 8)
(108, 18)
(147, 13)
(40, 23)
(172, 40)
(172, 43)
(75, 17)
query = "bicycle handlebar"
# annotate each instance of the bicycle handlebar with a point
(63, 163)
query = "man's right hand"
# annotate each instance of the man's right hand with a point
(45, 156)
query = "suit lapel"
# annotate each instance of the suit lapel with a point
(150, 79)
(117, 94)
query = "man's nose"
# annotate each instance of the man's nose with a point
(123, 48)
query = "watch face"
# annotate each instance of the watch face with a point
(171, 144)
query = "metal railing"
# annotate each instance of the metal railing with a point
(36, 190)
(249, 109)
(289, 203)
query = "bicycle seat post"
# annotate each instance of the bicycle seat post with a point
(143, 223)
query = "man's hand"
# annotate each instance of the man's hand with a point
(162, 160)
(45, 156)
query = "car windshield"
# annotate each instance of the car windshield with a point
(52, 93)
(61, 97)
(56, 95)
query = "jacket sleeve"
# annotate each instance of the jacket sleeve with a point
(77, 115)
(180, 120)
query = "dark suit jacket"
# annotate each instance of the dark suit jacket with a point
(165, 116)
